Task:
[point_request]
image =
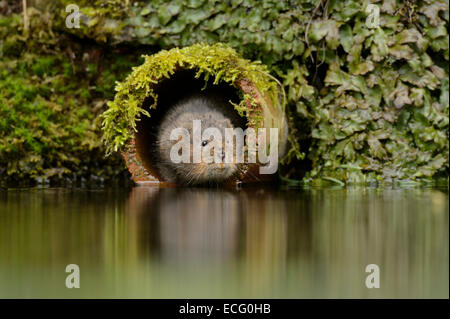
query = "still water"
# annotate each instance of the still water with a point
(209, 243)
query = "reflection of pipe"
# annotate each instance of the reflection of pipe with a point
(266, 235)
(207, 230)
(188, 225)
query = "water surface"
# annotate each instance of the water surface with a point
(151, 242)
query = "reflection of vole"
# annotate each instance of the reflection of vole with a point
(212, 111)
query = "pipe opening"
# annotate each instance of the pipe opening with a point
(169, 92)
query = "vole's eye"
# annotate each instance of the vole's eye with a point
(204, 143)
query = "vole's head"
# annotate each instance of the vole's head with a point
(207, 160)
(193, 132)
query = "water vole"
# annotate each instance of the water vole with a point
(213, 111)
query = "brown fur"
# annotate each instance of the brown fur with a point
(212, 111)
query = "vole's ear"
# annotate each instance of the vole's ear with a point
(226, 123)
(186, 125)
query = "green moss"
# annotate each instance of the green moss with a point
(44, 66)
(49, 107)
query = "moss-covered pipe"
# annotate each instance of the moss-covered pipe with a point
(126, 122)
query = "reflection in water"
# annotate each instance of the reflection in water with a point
(188, 243)
(188, 226)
